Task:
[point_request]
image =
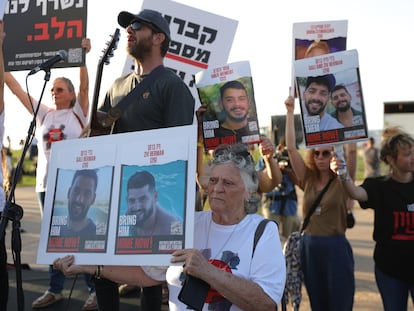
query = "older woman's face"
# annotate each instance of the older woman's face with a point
(61, 94)
(226, 189)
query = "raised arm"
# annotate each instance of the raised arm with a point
(353, 191)
(271, 176)
(17, 90)
(83, 94)
(296, 160)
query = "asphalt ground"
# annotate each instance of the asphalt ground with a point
(35, 277)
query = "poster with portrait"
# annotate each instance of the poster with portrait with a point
(80, 210)
(121, 198)
(331, 101)
(316, 38)
(231, 115)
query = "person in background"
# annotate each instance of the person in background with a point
(392, 198)
(65, 120)
(239, 277)
(326, 254)
(371, 159)
(167, 102)
(281, 204)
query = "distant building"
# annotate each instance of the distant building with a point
(399, 113)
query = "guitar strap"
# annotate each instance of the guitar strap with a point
(115, 113)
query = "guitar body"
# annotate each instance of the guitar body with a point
(96, 126)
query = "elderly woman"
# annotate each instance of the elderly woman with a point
(392, 199)
(223, 257)
(326, 255)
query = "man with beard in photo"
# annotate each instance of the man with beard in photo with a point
(149, 217)
(316, 97)
(344, 113)
(235, 104)
(81, 195)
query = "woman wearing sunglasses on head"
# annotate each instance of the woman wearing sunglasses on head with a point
(392, 199)
(326, 255)
(64, 120)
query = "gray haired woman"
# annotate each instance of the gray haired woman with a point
(235, 277)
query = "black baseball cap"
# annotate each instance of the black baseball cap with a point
(147, 16)
(328, 80)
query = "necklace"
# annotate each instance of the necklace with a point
(224, 244)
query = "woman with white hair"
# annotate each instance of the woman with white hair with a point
(235, 276)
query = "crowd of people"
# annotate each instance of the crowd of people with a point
(231, 269)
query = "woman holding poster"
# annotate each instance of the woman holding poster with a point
(226, 269)
(325, 253)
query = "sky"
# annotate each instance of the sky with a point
(380, 30)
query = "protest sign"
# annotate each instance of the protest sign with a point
(331, 101)
(231, 115)
(40, 29)
(121, 231)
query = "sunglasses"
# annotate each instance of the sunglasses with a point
(325, 153)
(57, 90)
(226, 149)
(137, 25)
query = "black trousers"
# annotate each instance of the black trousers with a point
(108, 296)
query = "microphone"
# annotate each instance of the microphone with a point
(61, 55)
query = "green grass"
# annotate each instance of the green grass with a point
(29, 169)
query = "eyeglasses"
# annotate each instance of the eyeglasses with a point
(57, 90)
(325, 153)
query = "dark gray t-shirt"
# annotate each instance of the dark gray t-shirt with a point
(166, 103)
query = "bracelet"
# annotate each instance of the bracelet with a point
(199, 144)
(98, 272)
(344, 178)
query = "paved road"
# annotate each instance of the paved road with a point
(35, 280)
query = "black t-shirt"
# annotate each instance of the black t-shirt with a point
(393, 205)
(167, 102)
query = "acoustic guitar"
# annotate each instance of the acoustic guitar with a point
(98, 124)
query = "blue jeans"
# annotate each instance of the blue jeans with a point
(394, 292)
(328, 268)
(56, 277)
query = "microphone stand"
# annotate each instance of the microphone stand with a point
(14, 212)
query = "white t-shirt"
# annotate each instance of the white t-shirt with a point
(233, 246)
(55, 125)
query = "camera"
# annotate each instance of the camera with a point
(282, 158)
(283, 161)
